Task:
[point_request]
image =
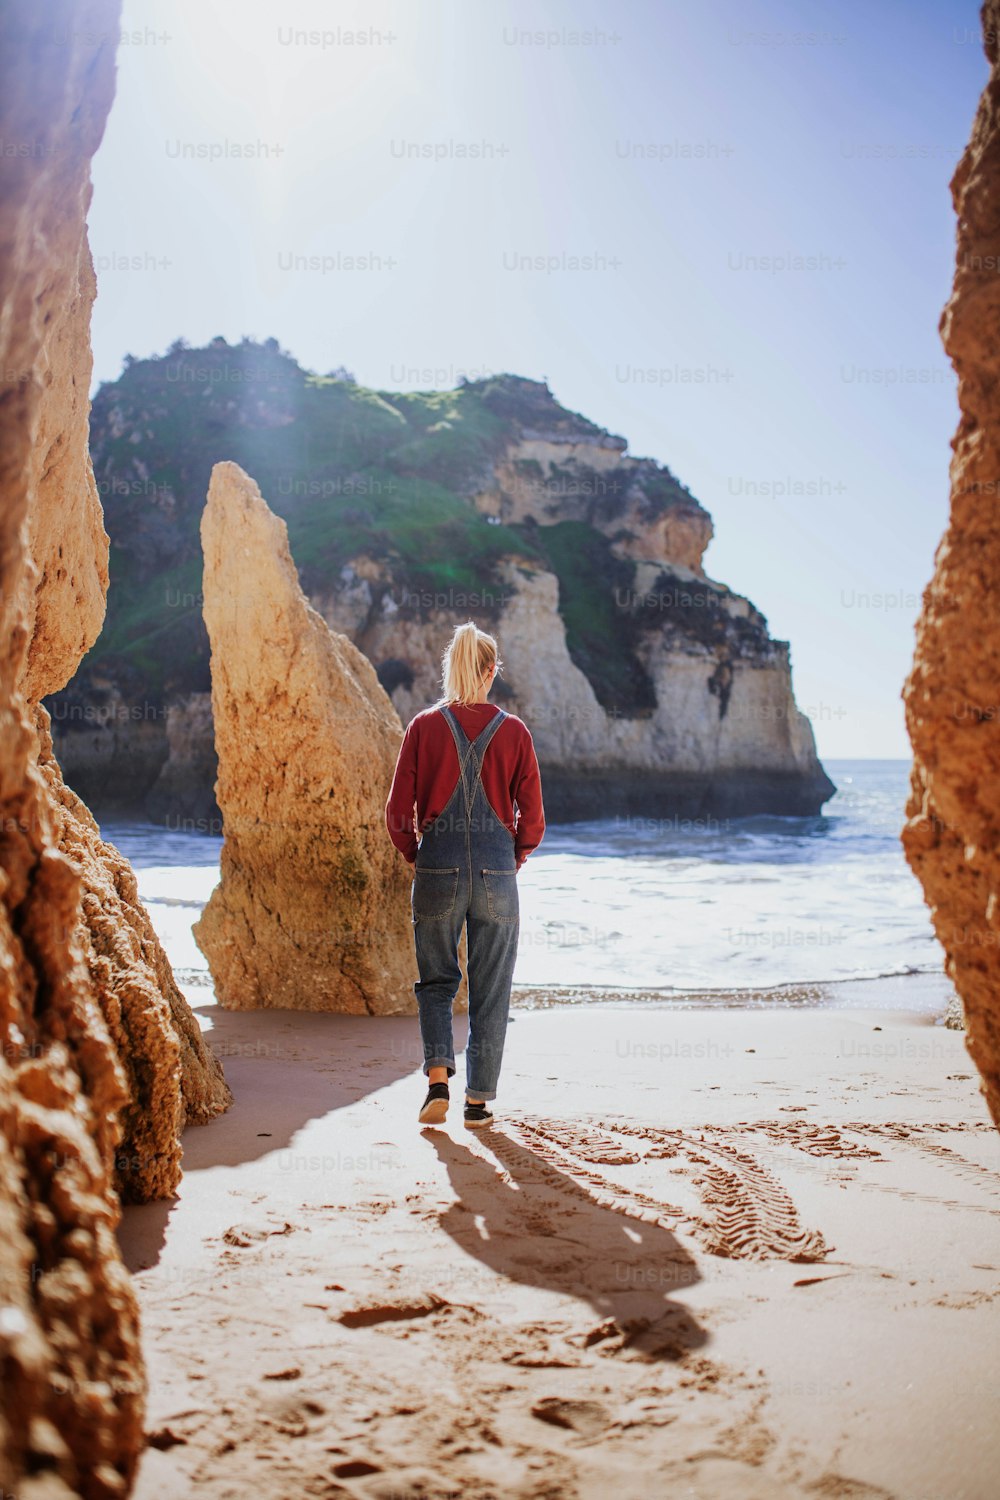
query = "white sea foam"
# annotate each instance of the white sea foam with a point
(667, 905)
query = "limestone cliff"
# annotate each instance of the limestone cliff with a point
(72, 1383)
(952, 835)
(649, 687)
(312, 909)
(551, 475)
(719, 733)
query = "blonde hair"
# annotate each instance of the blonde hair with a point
(469, 656)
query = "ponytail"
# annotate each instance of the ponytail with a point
(470, 654)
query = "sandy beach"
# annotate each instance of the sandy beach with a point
(706, 1253)
(600, 408)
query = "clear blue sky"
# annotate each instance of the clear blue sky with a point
(804, 399)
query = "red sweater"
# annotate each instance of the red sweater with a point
(427, 774)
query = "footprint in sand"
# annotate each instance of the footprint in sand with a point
(588, 1419)
(242, 1236)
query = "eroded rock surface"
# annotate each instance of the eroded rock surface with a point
(171, 1075)
(173, 1078)
(72, 1382)
(952, 834)
(312, 911)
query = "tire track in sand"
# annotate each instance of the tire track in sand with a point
(746, 1212)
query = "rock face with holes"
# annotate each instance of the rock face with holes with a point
(72, 1383)
(173, 1079)
(952, 834)
(312, 910)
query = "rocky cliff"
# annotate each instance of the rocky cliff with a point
(952, 835)
(72, 1383)
(649, 688)
(171, 1077)
(311, 911)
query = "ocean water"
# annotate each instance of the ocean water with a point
(662, 905)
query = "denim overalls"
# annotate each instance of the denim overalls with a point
(466, 872)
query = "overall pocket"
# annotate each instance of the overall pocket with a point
(433, 894)
(501, 894)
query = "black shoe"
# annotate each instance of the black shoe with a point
(477, 1116)
(435, 1105)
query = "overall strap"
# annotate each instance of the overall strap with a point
(472, 749)
(483, 739)
(463, 744)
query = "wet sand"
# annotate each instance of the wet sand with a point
(711, 1253)
(921, 991)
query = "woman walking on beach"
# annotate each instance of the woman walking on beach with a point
(465, 810)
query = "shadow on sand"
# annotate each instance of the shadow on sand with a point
(531, 1223)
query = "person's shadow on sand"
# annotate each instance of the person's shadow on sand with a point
(533, 1224)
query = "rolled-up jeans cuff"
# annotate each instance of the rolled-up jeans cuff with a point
(485, 1094)
(439, 1062)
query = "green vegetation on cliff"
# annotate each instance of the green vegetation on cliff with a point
(354, 472)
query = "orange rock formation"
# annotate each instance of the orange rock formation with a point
(952, 834)
(71, 1374)
(312, 912)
